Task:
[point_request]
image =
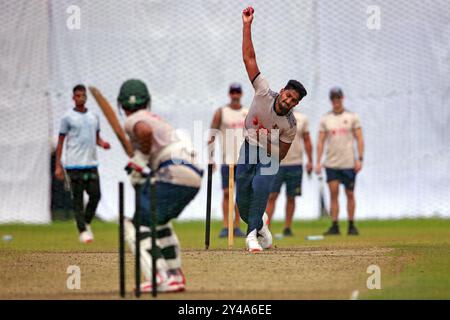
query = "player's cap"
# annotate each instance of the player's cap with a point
(336, 92)
(235, 87)
(134, 95)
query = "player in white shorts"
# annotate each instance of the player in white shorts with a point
(270, 128)
(339, 129)
(291, 172)
(229, 121)
(172, 163)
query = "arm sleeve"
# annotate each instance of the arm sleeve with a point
(356, 122)
(289, 135)
(260, 85)
(129, 124)
(322, 125)
(131, 121)
(65, 126)
(305, 128)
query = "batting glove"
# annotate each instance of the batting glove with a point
(137, 168)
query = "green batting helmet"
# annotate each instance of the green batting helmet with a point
(134, 95)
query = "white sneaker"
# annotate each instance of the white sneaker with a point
(89, 230)
(178, 275)
(264, 235)
(85, 237)
(252, 242)
(165, 284)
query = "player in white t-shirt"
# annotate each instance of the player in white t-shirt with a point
(291, 172)
(339, 129)
(270, 128)
(229, 121)
(171, 159)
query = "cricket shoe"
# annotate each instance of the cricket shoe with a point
(287, 232)
(333, 231)
(264, 236)
(178, 275)
(352, 231)
(85, 237)
(252, 243)
(223, 233)
(238, 233)
(164, 284)
(89, 230)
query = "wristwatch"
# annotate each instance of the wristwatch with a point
(361, 158)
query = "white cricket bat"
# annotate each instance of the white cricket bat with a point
(323, 212)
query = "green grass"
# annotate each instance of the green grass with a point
(423, 244)
(426, 275)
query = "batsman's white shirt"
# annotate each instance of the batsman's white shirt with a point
(295, 153)
(262, 116)
(232, 126)
(339, 129)
(80, 129)
(167, 144)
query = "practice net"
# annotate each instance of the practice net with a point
(392, 61)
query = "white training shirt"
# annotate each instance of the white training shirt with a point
(295, 153)
(339, 129)
(167, 144)
(232, 126)
(262, 116)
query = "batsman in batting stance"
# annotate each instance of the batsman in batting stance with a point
(270, 127)
(158, 149)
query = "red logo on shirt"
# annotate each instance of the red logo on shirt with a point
(259, 126)
(237, 125)
(340, 132)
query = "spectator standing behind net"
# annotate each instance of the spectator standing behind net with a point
(338, 130)
(229, 117)
(80, 131)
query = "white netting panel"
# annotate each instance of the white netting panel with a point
(188, 52)
(24, 112)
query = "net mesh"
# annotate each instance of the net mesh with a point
(393, 69)
(24, 113)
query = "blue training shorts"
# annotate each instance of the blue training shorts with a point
(345, 176)
(225, 173)
(292, 176)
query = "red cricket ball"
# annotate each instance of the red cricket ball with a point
(250, 11)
